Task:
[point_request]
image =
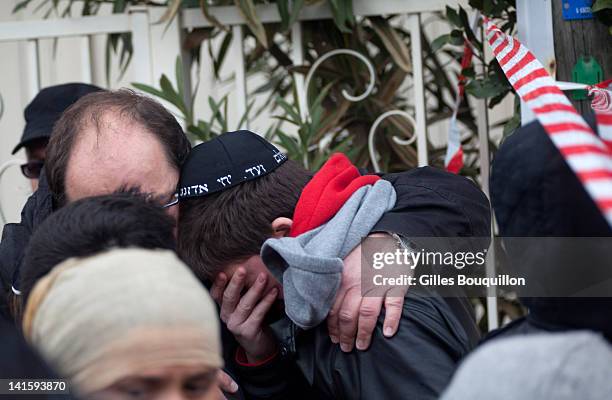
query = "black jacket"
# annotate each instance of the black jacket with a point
(20, 362)
(15, 238)
(536, 194)
(435, 332)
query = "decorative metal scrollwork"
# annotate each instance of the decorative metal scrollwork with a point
(403, 142)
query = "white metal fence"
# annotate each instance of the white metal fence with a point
(139, 21)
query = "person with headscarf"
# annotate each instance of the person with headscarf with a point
(126, 324)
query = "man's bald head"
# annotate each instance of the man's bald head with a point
(108, 141)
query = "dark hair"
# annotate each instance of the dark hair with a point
(231, 225)
(89, 110)
(92, 225)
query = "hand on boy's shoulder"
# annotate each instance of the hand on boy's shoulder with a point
(352, 319)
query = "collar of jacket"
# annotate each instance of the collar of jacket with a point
(285, 331)
(38, 207)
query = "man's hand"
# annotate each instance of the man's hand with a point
(244, 315)
(353, 316)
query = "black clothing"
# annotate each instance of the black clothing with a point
(19, 362)
(434, 334)
(535, 194)
(15, 238)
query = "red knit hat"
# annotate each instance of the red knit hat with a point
(327, 192)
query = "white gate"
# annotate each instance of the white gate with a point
(139, 22)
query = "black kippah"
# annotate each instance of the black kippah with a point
(226, 161)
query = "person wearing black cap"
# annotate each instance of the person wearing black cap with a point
(239, 195)
(106, 141)
(40, 116)
(535, 194)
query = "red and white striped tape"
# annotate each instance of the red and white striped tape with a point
(453, 162)
(602, 105)
(582, 149)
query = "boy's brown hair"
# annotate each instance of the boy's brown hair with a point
(232, 225)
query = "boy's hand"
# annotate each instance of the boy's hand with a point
(226, 383)
(244, 315)
(352, 317)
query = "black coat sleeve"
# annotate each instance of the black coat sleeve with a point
(433, 202)
(417, 363)
(277, 379)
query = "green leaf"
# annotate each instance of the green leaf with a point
(289, 14)
(172, 9)
(245, 116)
(21, 5)
(218, 60)
(456, 37)
(290, 144)
(601, 5)
(498, 98)
(485, 88)
(171, 95)
(119, 6)
(180, 80)
(289, 109)
(211, 18)
(393, 43)
(453, 17)
(439, 42)
(149, 89)
(247, 9)
(477, 4)
(467, 28)
(342, 10)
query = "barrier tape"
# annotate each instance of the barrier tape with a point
(453, 161)
(585, 153)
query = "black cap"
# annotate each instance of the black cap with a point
(47, 107)
(226, 161)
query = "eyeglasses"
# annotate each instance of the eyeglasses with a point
(31, 169)
(172, 202)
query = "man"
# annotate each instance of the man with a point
(105, 142)
(112, 140)
(94, 225)
(240, 197)
(40, 116)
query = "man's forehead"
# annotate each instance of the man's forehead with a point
(118, 154)
(111, 126)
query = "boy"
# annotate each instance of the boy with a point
(237, 191)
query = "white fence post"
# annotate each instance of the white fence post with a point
(534, 21)
(297, 56)
(241, 88)
(414, 23)
(482, 122)
(85, 49)
(142, 60)
(33, 68)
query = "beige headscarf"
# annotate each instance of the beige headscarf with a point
(102, 318)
